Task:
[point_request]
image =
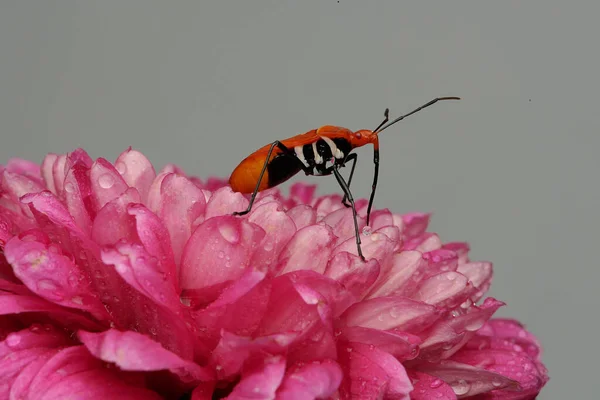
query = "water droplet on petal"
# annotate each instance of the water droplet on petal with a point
(229, 233)
(77, 300)
(496, 384)
(121, 167)
(475, 325)
(69, 188)
(367, 230)
(106, 181)
(436, 383)
(13, 339)
(461, 387)
(221, 254)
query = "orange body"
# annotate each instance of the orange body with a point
(245, 176)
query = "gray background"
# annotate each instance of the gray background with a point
(512, 168)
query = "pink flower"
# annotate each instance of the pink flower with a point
(119, 283)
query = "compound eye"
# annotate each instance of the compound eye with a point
(358, 135)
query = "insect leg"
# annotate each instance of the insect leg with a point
(352, 157)
(288, 153)
(374, 186)
(347, 194)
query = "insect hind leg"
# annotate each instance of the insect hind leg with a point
(352, 157)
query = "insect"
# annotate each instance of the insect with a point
(319, 152)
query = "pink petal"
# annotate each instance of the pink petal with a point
(18, 185)
(261, 380)
(467, 380)
(302, 215)
(401, 346)
(136, 170)
(341, 222)
(154, 201)
(50, 206)
(479, 274)
(181, 209)
(313, 381)
(278, 227)
(74, 373)
(59, 173)
(233, 351)
(52, 276)
(424, 243)
(429, 387)
(352, 272)
(327, 204)
(155, 238)
(132, 351)
(398, 278)
(460, 248)
(239, 309)
(46, 171)
(77, 195)
(381, 218)
(218, 251)
(447, 289)
(378, 245)
(391, 312)
(415, 224)
(45, 336)
(113, 223)
(449, 335)
(16, 304)
(530, 376)
(372, 374)
(106, 183)
(309, 248)
(26, 168)
(143, 273)
(512, 330)
(302, 192)
(225, 202)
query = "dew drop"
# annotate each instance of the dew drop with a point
(367, 230)
(121, 167)
(394, 312)
(436, 383)
(46, 285)
(13, 340)
(474, 325)
(229, 233)
(461, 387)
(106, 181)
(221, 254)
(69, 187)
(77, 300)
(496, 384)
(268, 246)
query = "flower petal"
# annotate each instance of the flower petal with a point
(279, 229)
(303, 215)
(429, 387)
(182, 207)
(372, 373)
(415, 224)
(132, 351)
(106, 183)
(261, 380)
(74, 373)
(113, 223)
(467, 380)
(399, 278)
(136, 170)
(317, 380)
(218, 251)
(225, 202)
(402, 346)
(309, 248)
(391, 312)
(353, 273)
(52, 276)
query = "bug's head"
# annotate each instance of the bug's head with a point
(363, 137)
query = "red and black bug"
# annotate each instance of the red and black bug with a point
(319, 152)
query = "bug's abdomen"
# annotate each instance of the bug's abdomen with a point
(280, 169)
(244, 177)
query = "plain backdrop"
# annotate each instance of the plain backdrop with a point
(512, 168)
